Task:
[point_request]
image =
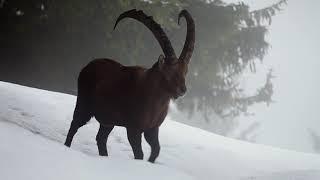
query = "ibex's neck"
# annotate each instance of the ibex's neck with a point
(156, 85)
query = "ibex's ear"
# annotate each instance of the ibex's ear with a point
(161, 61)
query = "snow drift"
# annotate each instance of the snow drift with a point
(34, 124)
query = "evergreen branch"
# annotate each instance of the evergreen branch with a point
(267, 12)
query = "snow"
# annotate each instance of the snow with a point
(34, 124)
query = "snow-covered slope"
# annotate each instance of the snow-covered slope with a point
(34, 123)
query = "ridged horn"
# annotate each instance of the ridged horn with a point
(190, 38)
(154, 27)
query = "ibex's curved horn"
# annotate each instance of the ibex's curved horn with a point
(189, 43)
(153, 26)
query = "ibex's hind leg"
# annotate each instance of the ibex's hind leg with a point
(134, 137)
(81, 116)
(151, 136)
(102, 138)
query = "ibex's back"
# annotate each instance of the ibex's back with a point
(131, 96)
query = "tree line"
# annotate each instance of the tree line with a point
(45, 43)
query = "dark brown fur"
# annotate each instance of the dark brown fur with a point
(130, 96)
(124, 96)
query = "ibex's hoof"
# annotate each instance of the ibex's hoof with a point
(67, 144)
(103, 154)
(138, 158)
(152, 160)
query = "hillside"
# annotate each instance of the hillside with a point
(34, 123)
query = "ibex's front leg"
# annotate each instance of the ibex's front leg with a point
(102, 138)
(151, 136)
(134, 137)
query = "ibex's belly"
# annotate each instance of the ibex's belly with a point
(140, 118)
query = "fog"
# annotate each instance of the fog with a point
(294, 57)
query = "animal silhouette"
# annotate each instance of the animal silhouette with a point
(132, 96)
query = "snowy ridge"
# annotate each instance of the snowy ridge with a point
(34, 123)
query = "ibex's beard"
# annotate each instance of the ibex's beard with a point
(175, 96)
(178, 94)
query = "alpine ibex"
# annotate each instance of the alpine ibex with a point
(132, 96)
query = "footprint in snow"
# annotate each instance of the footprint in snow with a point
(22, 113)
(15, 108)
(25, 114)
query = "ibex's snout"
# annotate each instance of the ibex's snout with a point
(182, 90)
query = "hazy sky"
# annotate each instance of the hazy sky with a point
(294, 37)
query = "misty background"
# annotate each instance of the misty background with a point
(253, 75)
(291, 122)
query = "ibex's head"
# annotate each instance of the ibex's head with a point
(173, 69)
